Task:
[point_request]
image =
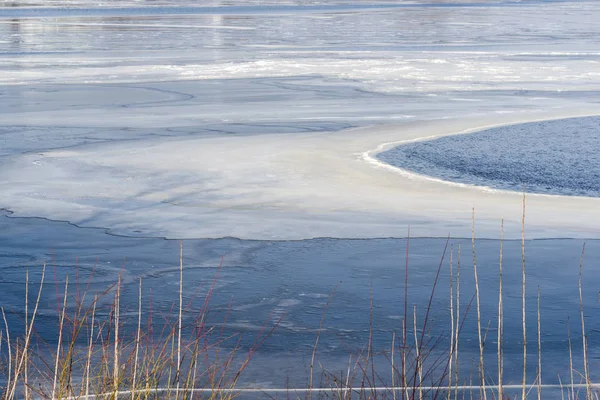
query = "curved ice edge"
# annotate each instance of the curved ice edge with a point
(7, 213)
(367, 159)
(370, 157)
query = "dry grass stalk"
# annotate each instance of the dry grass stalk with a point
(523, 291)
(451, 354)
(9, 348)
(370, 358)
(137, 339)
(419, 362)
(404, 360)
(404, 337)
(501, 316)
(180, 316)
(347, 385)
(116, 368)
(477, 297)
(26, 347)
(90, 348)
(314, 352)
(393, 366)
(539, 337)
(24, 361)
(60, 335)
(588, 391)
(456, 336)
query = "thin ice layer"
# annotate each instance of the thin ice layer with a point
(286, 187)
(209, 126)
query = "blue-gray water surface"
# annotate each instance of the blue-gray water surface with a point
(551, 157)
(288, 283)
(130, 63)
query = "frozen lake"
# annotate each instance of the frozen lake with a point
(255, 131)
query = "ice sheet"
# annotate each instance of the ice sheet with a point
(204, 125)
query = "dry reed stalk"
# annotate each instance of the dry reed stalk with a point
(419, 362)
(9, 347)
(457, 321)
(404, 338)
(371, 359)
(431, 296)
(24, 361)
(539, 337)
(1, 340)
(501, 316)
(195, 356)
(481, 365)
(347, 387)
(451, 326)
(171, 338)
(116, 344)
(180, 317)
(471, 381)
(90, 348)
(393, 367)
(572, 396)
(404, 390)
(60, 333)
(314, 352)
(523, 291)
(588, 393)
(26, 347)
(137, 339)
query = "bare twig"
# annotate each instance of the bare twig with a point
(588, 392)
(60, 333)
(501, 318)
(116, 368)
(456, 336)
(539, 337)
(90, 348)
(137, 339)
(477, 298)
(523, 291)
(314, 352)
(9, 347)
(180, 317)
(572, 396)
(451, 354)
(419, 362)
(404, 338)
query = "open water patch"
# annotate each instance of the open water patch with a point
(560, 157)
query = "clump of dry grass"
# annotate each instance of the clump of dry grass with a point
(114, 365)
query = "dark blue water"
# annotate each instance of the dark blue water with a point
(288, 283)
(552, 157)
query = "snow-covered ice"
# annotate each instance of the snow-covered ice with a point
(233, 121)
